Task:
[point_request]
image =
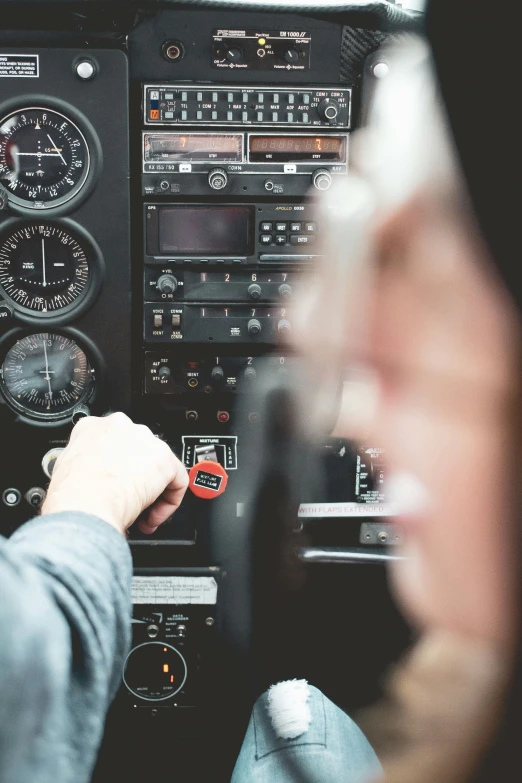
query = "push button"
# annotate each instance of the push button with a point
(291, 98)
(176, 320)
(295, 227)
(306, 99)
(311, 228)
(266, 227)
(280, 239)
(301, 239)
(280, 226)
(265, 239)
(259, 116)
(158, 320)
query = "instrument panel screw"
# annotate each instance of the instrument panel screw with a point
(209, 621)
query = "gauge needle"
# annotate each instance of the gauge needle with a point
(56, 148)
(47, 376)
(43, 263)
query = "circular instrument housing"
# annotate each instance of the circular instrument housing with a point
(155, 671)
(49, 270)
(50, 156)
(45, 376)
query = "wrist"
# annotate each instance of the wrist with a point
(107, 509)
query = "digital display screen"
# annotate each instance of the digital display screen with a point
(286, 149)
(172, 147)
(204, 230)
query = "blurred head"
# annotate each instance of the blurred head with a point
(409, 294)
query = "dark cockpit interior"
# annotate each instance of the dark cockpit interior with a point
(159, 163)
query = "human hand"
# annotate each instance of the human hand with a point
(115, 470)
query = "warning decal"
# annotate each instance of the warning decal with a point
(19, 66)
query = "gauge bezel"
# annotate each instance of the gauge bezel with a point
(95, 360)
(148, 644)
(69, 112)
(94, 284)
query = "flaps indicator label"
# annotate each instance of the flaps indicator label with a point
(19, 66)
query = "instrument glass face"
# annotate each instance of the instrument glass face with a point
(43, 269)
(45, 376)
(44, 158)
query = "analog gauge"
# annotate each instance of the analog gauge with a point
(44, 158)
(44, 269)
(155, 671)
(46, 376)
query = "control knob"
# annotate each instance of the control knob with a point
(234, 54)
(322, 179)
(6, 312)
(329, 109)
(80, 412)
(254, 291)
(217, 374)
(283, 327)
(217, 179)
(35, 496)
(290, 56)
(167, 284)
(164, 372)
(285, 291)
(254, 327)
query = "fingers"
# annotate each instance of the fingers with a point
(167, 503)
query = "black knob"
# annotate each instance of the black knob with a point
(250, 374)
(164, 372)
(322, 179)
(234, 54)
(329, 109)
(217, 179)
(4, 198)
(164, 184)
(80, 412)
(254, 327)
(217, 373)
(283, 327)
(291, 56)
(167, 284)
(6, 312)
(35, 496)
(285, 291)
(254, 291)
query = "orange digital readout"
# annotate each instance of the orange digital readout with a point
(166, 668)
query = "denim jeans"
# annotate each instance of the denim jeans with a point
(333, 750)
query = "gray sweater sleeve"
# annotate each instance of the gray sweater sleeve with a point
(64, 633)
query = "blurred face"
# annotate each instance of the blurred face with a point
(406, 290)
(444, 345)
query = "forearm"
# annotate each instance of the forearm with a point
(65, 632)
